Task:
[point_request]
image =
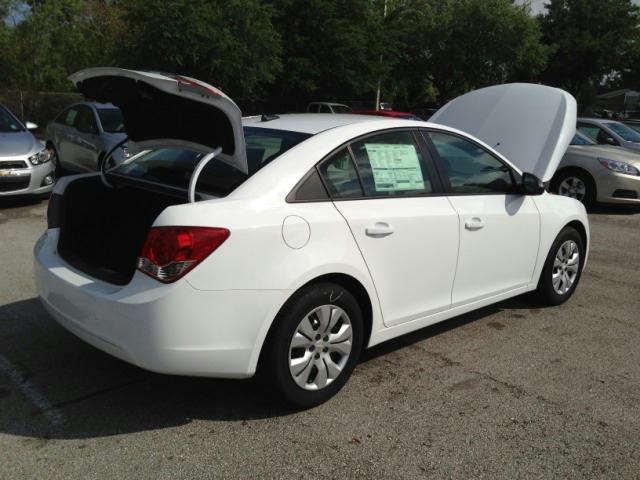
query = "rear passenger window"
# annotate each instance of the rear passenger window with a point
(340, 176)
(390, 164)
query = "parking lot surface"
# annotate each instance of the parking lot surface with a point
(510, 391)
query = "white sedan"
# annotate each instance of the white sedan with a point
(285, 245)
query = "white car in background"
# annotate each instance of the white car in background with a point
(328, 107)
(309, 237)
(590, 172)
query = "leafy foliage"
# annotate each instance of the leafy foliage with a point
(591, 39)
(295, 51)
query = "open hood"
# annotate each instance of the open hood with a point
(165, 110)
(531, 125)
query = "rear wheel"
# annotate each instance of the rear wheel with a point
(576, 184)
(314, 346)
(562, 268)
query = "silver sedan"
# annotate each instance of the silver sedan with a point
(590, 172)
(81, 135)
(24, 162)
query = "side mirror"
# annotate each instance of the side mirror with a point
(531, 185)
(31, 126)
(610, 141)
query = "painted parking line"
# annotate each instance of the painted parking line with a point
(31, 392)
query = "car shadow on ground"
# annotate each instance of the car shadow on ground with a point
(21, 201)
(89, 394)
(611, 209)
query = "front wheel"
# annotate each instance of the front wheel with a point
(563, 268)
(575, 183)
(315, 345)
(58, 171)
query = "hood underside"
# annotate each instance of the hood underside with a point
(162, 109)
(531, 125)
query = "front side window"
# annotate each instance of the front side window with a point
(470, 168)
(111, 120)
(590, 131)
(85, 122)
(580, 139)
(391, 164)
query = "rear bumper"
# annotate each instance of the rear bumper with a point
(172, 329)
(617, 188)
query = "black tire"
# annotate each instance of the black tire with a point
(274, 364)
(581, 176)
(546, 291)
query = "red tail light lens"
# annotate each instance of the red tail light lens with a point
(170, 252)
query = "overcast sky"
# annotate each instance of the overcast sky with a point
(538, 5)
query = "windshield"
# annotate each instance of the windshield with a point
(628, 134)
(9, 123)
(111, 120)
(173, 166)
(580, 139)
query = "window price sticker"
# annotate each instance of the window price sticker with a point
(395, 167)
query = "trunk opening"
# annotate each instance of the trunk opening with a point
(102, 230)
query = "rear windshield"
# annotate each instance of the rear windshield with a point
(173, 167)
(111, 120)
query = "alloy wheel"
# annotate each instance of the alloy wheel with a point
(573, 187)
(320, 347)
(565, 267)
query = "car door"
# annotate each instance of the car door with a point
(499, 230)
(386, 188)
(86, 144)
(65, 135)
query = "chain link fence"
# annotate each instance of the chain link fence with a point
(37, 107)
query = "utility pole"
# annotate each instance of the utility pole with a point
(380, 76)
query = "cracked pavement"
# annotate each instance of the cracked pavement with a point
(510, 391)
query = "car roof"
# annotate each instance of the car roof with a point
(328, 103)
(599, 121)
(311, 123)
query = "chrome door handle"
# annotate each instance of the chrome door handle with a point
(380, 229)
(475, 223)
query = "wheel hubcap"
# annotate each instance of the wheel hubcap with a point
(320, 347)
(565, 267)
(573, 187)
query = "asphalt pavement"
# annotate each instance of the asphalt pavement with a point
(510, 391)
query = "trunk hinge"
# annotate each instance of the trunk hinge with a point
(196, 173)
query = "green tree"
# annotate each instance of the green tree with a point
(231, 44)
(457, 45)
(591, 39)
(56, 38)
(331, 50)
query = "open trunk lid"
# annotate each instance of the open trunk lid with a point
(163, 110)
(531, 125)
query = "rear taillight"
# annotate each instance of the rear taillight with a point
(170, 252)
